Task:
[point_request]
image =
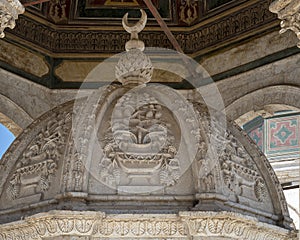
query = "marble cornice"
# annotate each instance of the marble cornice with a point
(182, 225)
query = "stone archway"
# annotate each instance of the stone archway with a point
(13, 114)
(280, 94)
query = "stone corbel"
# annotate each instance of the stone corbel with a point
(9, 11)
(289, 12)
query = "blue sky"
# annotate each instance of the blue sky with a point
(6, 138)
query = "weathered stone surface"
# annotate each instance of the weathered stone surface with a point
(58, 161)
(143, 149)
(25, 60)
(184, 225)
(248, 52)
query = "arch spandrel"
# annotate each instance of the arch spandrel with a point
(32, 164)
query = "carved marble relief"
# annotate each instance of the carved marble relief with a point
(9, 11)
(139, 140)
(140, 144)
(39, 162)
(226, 167)
(240, 174)
(73, 170)
(185, 225)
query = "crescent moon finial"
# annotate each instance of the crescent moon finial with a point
(136, 28)
(134, 42)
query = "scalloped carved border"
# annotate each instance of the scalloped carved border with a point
(184, 225)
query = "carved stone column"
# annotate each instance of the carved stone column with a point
(289, 12)
(9, 11)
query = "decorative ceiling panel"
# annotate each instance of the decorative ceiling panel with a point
(62, 30)
(109, 11)
(211, 4)
(282, 137)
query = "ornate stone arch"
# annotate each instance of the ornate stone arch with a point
(45, 169)
(40, 155)
(280, 94)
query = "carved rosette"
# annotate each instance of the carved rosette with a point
(9, 11)
(289, 12)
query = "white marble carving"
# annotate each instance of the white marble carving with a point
(140, 142)
(39, 162)
(9, 11)
(134, 67)
(135, 145)
(289, 12)
(226, 167)
(185, 225)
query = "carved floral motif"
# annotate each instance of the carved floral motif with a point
(57, 10)
(139, 142)
(39, 161)
(239, 176)
(65, 41)
(134, 226)
(239, 173)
